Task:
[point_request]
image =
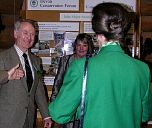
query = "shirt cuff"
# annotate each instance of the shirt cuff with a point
(47, 118)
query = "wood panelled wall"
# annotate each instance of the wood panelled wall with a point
(146, 14)
(10, 10)
(146, 19)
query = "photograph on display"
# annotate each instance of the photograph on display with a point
(55, 62)
(49, 70)
(44, 47)
(59, 38)
(35, 48)
(68, 47)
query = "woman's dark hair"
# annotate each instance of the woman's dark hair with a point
(86, 39)
(111, 20)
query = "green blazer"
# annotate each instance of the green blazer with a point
(117, 94)
(16, 103)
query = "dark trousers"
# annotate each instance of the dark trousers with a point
(73, 124)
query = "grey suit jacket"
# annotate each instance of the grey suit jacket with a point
(16, 103)
(3, 76)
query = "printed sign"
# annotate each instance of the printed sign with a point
(72, 5)
(45, 35)
(59, 26)
(89, 4)
(75, 16)
(88, 27)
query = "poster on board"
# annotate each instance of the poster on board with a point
(58, 26)
(89, 4)
(72, 5)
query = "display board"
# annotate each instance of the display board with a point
(60, 21)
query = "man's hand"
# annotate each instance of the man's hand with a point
(15, 73)
(47, 123)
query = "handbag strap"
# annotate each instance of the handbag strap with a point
(83, 92)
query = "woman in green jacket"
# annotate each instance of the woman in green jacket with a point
(83, 46)
(117, 91)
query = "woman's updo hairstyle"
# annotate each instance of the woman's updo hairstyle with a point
(111, 20)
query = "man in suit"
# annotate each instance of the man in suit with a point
(18, 97)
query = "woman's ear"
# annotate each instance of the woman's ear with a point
(101, 39)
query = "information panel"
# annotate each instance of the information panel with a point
(72, 5)
(89, 4)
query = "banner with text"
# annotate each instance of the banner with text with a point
(72, 5)
(89, 4)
